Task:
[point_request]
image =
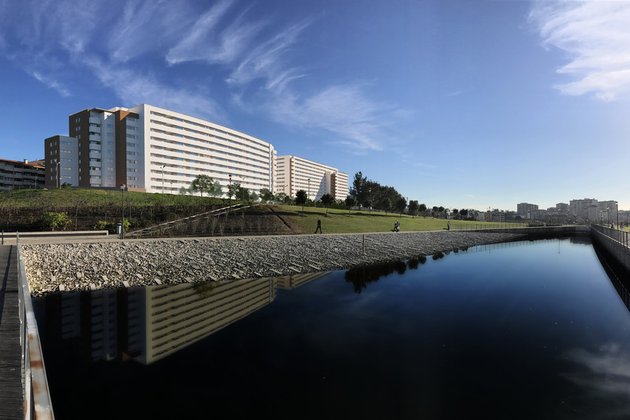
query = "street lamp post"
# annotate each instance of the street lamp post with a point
(163, 178)
(230, 188)
(57, 164)
(243, 189)
(122, 213)
(308, 195)
(617, 208)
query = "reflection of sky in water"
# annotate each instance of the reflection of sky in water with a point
(514, 331)
(603, 375)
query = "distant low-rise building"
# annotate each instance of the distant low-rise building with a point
(21, 174)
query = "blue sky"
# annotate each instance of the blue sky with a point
(465, 104)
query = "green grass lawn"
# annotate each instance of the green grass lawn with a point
(71, 197)
(342, 221)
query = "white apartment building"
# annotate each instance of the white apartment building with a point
(179, 147)
(152, 149)
(295, 173)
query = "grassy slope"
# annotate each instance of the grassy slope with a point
(342, 221)
(70, 197)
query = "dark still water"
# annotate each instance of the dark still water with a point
(525, 330)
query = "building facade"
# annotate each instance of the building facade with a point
(526, 210)
(295, 173)
(21, 174)
(62, 161)
(580, 208)
(594, 211)
(178, 147)
(152, 149)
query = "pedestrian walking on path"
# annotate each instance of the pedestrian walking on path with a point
(319, 226)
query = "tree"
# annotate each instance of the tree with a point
(384, 203)
(423, 209)
(266, 195)
(463, 212)
(359, 187)
(350, 202)
(216, 189)
(282, 198)
(233, 189)
(327, 200)
(242, 193)
(300, 198)
(202, 183)
(413, 208)
(401, 205)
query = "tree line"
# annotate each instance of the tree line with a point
(364, 193)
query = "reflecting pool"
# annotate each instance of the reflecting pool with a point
(522, 330)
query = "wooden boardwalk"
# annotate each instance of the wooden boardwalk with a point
(11, 398)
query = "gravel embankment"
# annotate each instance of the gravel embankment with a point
(84, 266)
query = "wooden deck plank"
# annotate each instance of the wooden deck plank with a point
(11, 398)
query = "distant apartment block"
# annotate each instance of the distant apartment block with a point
(562, 207)
(295, 173)
(594, 211)
(62, 157)
(153, 149)
(579, 208)
(526, 210)
(21, 174)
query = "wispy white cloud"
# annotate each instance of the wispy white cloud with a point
(135, 32)
(135, 88)
(199, 43)
(595, 36)
(249, 58)
(51, 83)
(454, 93)
(266, 60)
(344, 111)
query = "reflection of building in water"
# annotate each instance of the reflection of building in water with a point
(149, 323)
(291, 282)
(96, 331)
(179, 315)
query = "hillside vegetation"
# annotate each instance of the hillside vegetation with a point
(88, 208)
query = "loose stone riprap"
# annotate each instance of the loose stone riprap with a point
(83, 266)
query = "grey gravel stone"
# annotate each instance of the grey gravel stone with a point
(109, 264)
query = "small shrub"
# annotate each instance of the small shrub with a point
(56, 220)
(103, 225)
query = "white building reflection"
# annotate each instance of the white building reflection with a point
(147, 324)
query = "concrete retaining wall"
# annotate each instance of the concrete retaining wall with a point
(610, 241)
(545, 230)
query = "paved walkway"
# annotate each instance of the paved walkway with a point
(11, 398)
